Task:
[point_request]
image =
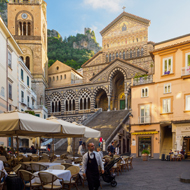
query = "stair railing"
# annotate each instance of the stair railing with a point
(114, 133)
(85, 122)
(46, 142)
(59, 143)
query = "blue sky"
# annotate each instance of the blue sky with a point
(169, 18)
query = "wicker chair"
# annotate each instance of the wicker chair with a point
(35, 158)
(74, 177)
(78, 160)
(48, 179)
(37, 167)
(28, 176)
(63, 156)
(68, 161)
(130, 162)
(2, 176)
(26, 159)
(58, 160)
(67, 165)
(25, 166)
(126, 164)
(57, 167)
(16, 168)
(45, 160)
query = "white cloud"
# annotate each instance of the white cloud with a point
(109, 5)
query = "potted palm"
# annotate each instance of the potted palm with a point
(145, 154)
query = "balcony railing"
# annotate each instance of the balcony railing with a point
(144, 119)
(185, 71)
(143, 80)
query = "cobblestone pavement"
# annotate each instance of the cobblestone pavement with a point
(151, 175)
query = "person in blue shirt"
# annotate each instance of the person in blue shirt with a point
(112, 148)
(80, 142)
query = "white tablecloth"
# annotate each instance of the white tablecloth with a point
(48, 164)
(64, 174)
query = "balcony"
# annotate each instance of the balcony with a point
(185, 72)
(23, 101)
(144, 119)
(142, 80)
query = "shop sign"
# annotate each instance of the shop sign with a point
(133, 143)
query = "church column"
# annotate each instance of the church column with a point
(26, 28)
(83, 104)
(86, 103)
(71, 105)
(126, 101)
(109, 98)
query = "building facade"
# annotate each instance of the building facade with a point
(161, 107)
(9, 59)
(107, 75)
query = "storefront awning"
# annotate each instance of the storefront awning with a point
(145, 133)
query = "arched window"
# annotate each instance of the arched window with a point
(124, 55)
(52, 107)
(53, 78)
(84, 103)
(24, 29)
(131, 54)
(49, 79)
(61, 77)
(28, 62)
(20, 29)
(67, 105)
(116, 55)
(81, 104)
(120, 55)
(73, 104)
(124, 27)
(59, 106)
(57, 78)
(110, 57)
(88, 103)
(113, 56)
(55, 106)
(142, 51)
(22, 58)
(134, 53)
(29, 29)
(64, 76)
(138, 53)
(106, 58)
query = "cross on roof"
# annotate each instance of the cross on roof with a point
(123, 8)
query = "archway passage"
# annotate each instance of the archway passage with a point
(117, 93)
(101, 100)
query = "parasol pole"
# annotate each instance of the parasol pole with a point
(17, 148)
(73, 147)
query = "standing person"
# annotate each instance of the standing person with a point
(100, 152)
(112, 148)
(80, 142)
(49, 147)
(82, 149)
(91, 162)
(117, 149)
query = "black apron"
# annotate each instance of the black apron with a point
(92, 173)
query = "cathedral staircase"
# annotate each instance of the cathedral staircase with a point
(109, 123)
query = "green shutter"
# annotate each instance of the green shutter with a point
(188, 60)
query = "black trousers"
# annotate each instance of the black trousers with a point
(93, 181)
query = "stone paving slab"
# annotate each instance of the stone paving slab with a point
(151, 175)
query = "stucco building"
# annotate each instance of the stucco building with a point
(161, 106)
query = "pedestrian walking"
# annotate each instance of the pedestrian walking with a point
(91, 163)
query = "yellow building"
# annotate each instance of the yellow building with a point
(27, 23)
(161, 102)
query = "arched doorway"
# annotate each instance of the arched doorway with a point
(101, 100)
(117, 91)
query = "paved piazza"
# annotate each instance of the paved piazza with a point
(151, 175)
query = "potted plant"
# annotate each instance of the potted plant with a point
(145, 154)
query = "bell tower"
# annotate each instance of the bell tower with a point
(28, 24)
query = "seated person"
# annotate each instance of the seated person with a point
(170, 152)
(2, 169)
(182, 153)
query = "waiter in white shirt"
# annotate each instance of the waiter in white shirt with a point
(91, 162)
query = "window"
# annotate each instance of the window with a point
(187, 64)
(2, 91)
(64, 76)
(187, 105)
(28, 101)
(28, 62)
(167, 66)
(124, 55)
(37, 115)
(57, 78)
(10, 91)
(61, 77)
(57, 68)
(120, 55)
(138, 53)
(22, 75)
(145, 114)
(28, 81)
(44, 116)
(53, 78)
(116, 55)
(124, 28)
(167, 88)
(29, 29)
(10, 107)
(144, 92)
(106, 58)
(110, 57)
(142, 51)
(9, 59)
(113, 56)
(49, 79)
(166, 105)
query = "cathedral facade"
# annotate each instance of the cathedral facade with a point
(107, 75)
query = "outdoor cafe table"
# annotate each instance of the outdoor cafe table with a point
(64, 174)
(48, 164)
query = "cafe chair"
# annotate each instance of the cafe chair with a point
(37, 167)
(130, 162)
(66, 165)
(126, 164)
(16, 168)
(58, 160)
(2, 177)
(26, 159)
(57, 167)
(28, 177)
(48, 179)
(74, 177)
